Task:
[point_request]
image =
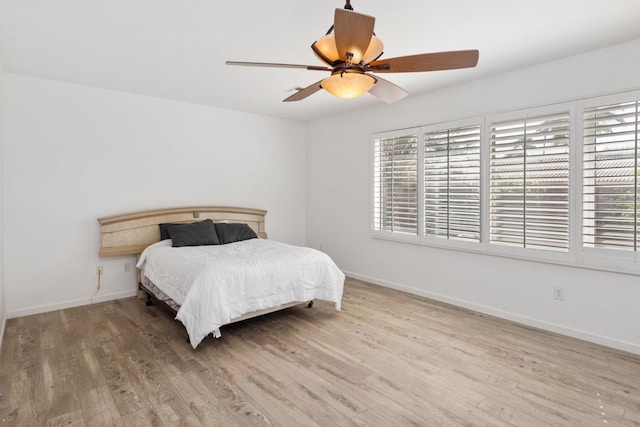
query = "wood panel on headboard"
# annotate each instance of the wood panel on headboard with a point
(131, 233)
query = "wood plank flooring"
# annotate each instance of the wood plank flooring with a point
(387, 359)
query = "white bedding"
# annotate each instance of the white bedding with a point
(216, 283)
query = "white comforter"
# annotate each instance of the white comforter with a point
(214, 284)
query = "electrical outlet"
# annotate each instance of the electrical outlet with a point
(558, 293)
(126, 267)
(99, 270)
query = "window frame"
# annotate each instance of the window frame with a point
(390, 235)
(602, 258)
(432, 241)
(530, 253)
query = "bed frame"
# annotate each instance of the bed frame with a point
(131, 233)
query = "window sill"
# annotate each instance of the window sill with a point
(590, 259)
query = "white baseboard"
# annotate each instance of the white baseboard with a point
(514, 317)
(69, 304)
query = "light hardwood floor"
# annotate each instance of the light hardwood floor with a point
(387, 359)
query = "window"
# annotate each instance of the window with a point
(610, 177)
(529, 183)
(452, 183)
(557, 183)
(395, 184)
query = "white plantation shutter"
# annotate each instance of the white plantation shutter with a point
(452, 183)
(514, 188)
(529, 183)
(610, 176)
(395, 184)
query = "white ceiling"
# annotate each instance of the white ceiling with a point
(176, 49)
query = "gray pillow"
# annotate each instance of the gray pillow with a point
(194, 234)
(164, 229)
(233, 232)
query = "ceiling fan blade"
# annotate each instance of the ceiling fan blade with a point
(276, 65)
(353, 33)
(303, 93)
(426, 62)
(387, 91)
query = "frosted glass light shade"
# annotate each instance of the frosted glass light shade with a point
(374, 50)
(348, 85)
(327, 47)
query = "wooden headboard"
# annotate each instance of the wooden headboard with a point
(131, 233)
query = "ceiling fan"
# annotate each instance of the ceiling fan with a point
(351, 51)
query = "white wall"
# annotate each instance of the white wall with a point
(599, 306)
(73, 154)
(3, 309)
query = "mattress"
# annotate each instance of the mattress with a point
(150, 287)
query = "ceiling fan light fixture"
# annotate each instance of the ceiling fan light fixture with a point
(373, 51)
(348, 85)
(351, 52)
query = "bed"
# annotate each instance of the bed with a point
(214, 278)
